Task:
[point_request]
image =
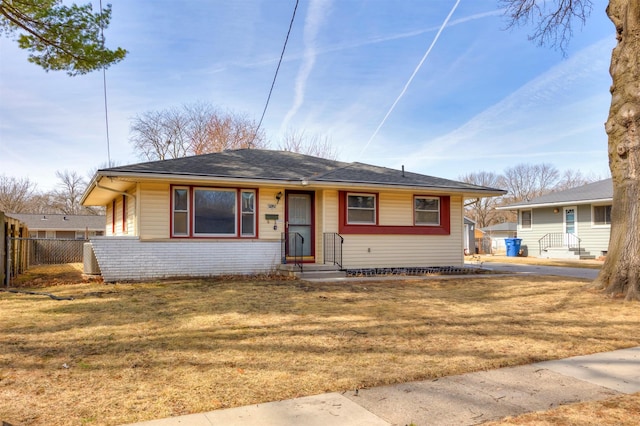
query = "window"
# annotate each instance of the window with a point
(248, 223)
(213, 212)
(361, 209)
(525, 219)
(180, 211)
(426, 211)
(602, 215)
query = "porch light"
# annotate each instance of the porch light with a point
(278, 197)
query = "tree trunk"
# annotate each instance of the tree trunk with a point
(620, 275)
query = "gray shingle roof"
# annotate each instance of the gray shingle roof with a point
(596, 191)
(257, 164)
(61, 222)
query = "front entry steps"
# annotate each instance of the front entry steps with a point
(312, 271)
(566, 253)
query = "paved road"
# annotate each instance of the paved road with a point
(543, 270)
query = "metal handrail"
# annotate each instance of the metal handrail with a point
(292, 243)
(333, 248)
(559, 239)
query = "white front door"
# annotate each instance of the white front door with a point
(570, 225)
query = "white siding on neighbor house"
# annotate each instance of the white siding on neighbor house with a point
(130, 259)
(594, 240)
(380, 251)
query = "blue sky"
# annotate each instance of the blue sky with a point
(485, 98)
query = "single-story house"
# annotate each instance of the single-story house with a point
(77, 227)
(575, 223)
(498, 233)
(248, 211)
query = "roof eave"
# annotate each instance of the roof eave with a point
(555, 204)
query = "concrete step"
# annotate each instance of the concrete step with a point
(312, 271)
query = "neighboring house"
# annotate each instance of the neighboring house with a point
(75, 227)
(568, 224)
(498, 233)
(469, 236)
(247, 211)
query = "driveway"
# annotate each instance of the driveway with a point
(586, 273)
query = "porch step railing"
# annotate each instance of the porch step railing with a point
(332, 244)
(291, 248)
(559, 239)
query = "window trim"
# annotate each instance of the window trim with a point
(346, 228)
(375, 208)
(187, 211)
(415, 210)
(191, 234)
(593, 216)
(530, 219)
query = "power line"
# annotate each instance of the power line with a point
(273, 83)
(104, 90)
(406, 86)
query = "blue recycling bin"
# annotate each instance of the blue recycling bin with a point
(513, 246)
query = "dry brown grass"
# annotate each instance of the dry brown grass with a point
(125, 353)
(590, 264)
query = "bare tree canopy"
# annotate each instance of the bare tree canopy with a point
(527, 181)
(483, 209)
(620, 274)
(552, 20)
(16, 194)
(59, 37)
(311, 144)
(66, 198)
(192, 130)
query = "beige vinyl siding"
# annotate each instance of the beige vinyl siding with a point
(155, 210)
(396, 209)
(370, 251)
(267, 204)
(109, 222)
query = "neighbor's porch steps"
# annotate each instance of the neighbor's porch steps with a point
(566, 253)
(312, 270)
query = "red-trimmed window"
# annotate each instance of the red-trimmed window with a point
(213, 212)
(431, 215)
(426, 211)
(361, 209)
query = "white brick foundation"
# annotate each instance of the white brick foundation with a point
(129, 259)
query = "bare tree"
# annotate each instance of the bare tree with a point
(620, 274)
(192, 130)
(526, 181)
(572, 179)
(16, 194)
(66, 198)
(311, 144)
(482, 210)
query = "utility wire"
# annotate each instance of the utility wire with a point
(406, 86)
(104, 90)
(266, 105)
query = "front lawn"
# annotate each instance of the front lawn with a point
(125, 353)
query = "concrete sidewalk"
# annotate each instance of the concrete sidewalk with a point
(465, 399)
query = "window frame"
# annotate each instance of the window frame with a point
(374, 208)
(415, 210)
(522, 226)
(593, 216)
(187, 211)
(238, 213)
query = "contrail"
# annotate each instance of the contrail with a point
(406, 86)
